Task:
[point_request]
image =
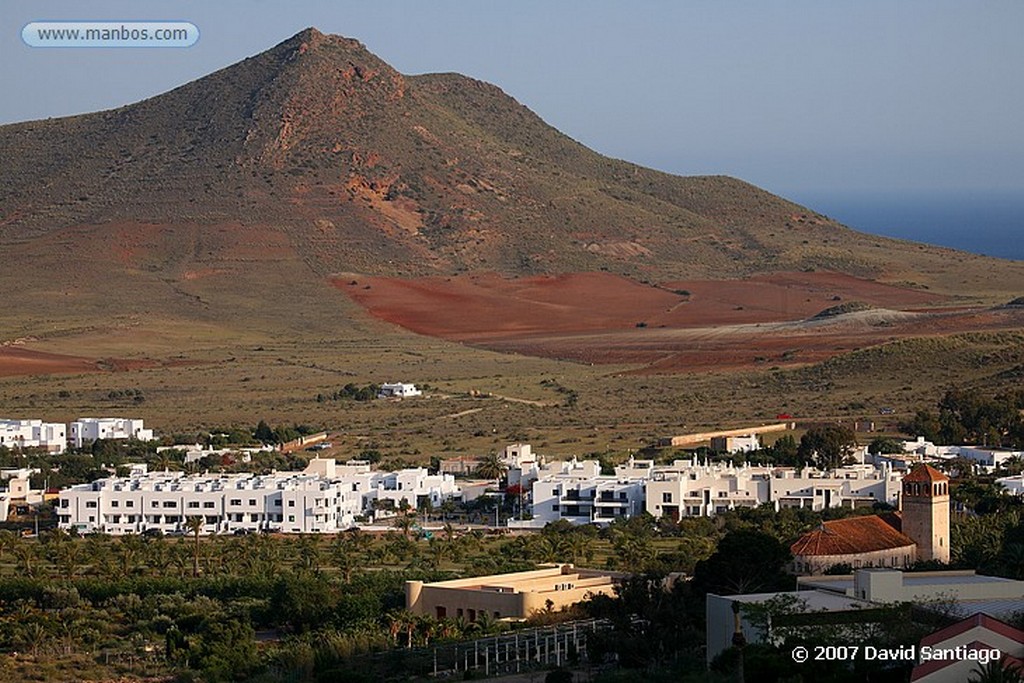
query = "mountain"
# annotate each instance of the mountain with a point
(316, 157)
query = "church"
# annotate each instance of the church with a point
(919, 532)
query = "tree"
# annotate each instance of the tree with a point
(194, 525)
(885, 445)
(491, 467)
(747, 561)
(264, 433)
(827, 446)
(996, 671)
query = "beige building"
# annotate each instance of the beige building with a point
(508, 596)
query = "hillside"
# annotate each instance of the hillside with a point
(319, 149)
(232, 211)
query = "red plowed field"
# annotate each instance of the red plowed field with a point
(669, 327)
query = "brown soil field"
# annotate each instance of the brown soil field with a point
(15, 360)
(672, 327)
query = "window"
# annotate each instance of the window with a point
(291, 518)
(291, 503)
(554, 508)
(114, 504)
(193, 503)
(252, 501)
(666, 498)
(170, 504)
(235, 501)
(209, 504)
(90, 503)
(155, 503)
(129, 503)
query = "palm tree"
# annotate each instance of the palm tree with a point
(309, 554)
(7, 541)
(404, 523)
(68, 557)
(491, 467)
(27, 554)
(195, 526)
(128, 551)
(996, 671)
(344, 555)
(158, 555)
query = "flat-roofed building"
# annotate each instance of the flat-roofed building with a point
(508, 596)
(85, 430)
(290, 502)
(33, 434)
(689, 489)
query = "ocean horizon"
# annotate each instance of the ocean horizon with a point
(989, 224)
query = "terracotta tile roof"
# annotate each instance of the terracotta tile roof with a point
(850, 536)
(925, 473)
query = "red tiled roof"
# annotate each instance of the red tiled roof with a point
(849, 537)
(925, 473)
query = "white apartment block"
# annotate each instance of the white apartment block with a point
(577, 491)
(416, 486)
(85, 430)
(33, 434)
(687, 489)
(324, 498)
(289, 502)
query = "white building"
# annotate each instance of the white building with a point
(416, 486)
(989, 459)
(736, 444)
(326, 497)
(576, 491)
(523, 465)
(689, 489)
(398, 390)
(33, 434)
(85, 430)
(1012, 485)
(289, 502)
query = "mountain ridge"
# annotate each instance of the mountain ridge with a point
(316, 157)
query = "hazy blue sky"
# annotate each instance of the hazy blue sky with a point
(799, 97)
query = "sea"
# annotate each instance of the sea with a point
(984, 223)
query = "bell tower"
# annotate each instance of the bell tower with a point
(925, 505)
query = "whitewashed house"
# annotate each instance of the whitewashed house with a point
(85, 430)
(398, 390)
(33, 434)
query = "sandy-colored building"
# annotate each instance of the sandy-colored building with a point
(508, 596)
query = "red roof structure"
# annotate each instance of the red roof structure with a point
(925, 473)
(850, 536)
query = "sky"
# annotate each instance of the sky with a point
(804, 98)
